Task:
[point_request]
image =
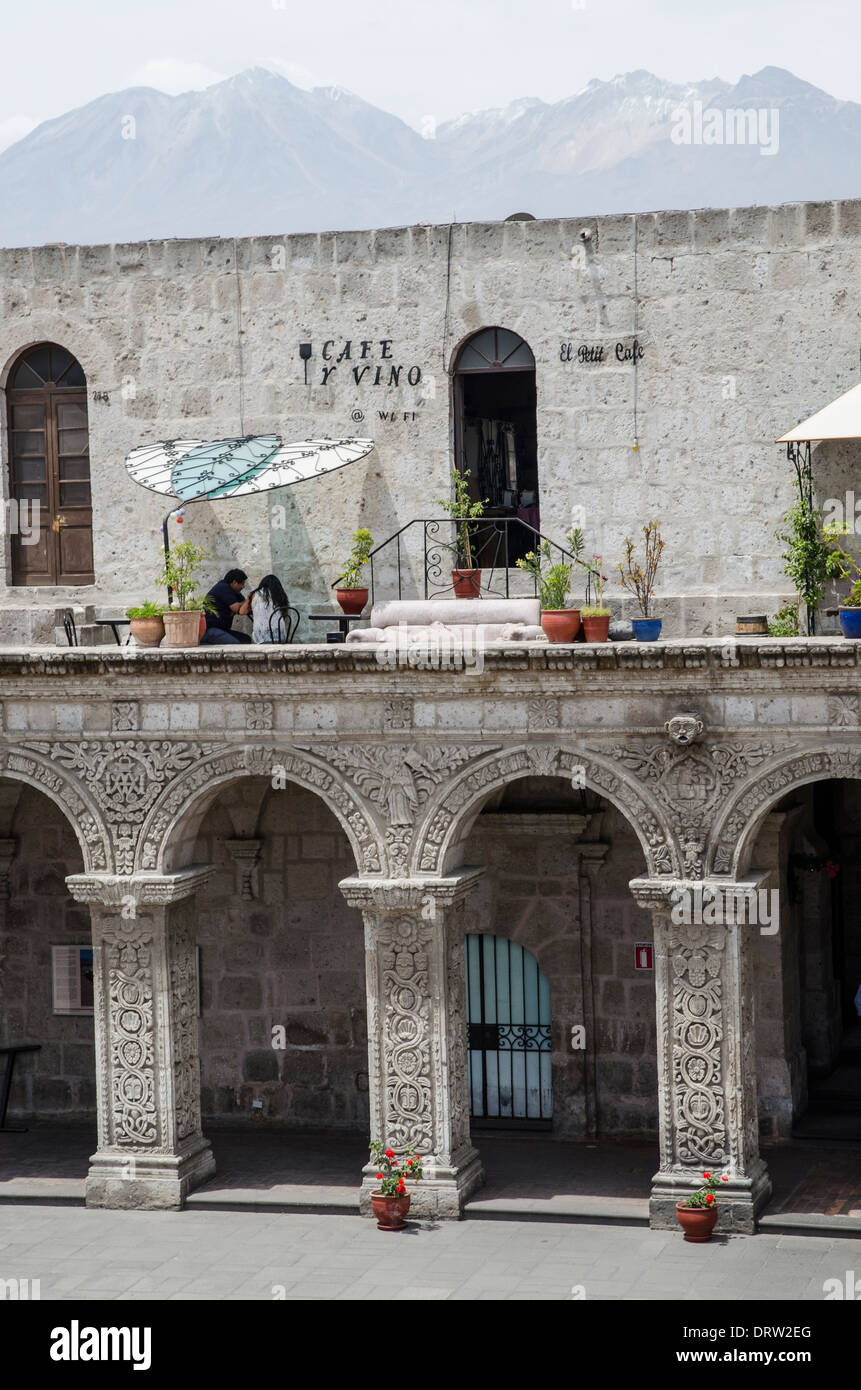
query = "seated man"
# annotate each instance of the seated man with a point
(228, 599)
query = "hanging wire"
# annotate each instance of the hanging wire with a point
(239, 339)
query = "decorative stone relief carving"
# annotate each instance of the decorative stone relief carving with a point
(125, 717)
(7, 854)
(258, 714)
(128, 989)
(398, 713)
(698, 1085)
(94, 834)
(840, 760)
(245, 854)
(260, 761)
(125, 776)
(691, 783)
(843, 711)
(183, 988)
(542, 712)
(404, 944)
(684, 728)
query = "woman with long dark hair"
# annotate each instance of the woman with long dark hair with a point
(269, 605)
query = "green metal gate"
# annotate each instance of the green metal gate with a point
(508, 1033)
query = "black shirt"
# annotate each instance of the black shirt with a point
(223, 597)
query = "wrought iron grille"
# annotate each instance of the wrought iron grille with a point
(417, 560)
(508, 1032)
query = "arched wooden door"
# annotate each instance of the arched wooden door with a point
(49, 467)
(508, 1034)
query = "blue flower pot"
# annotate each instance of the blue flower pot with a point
(646, 629)
(850, 622)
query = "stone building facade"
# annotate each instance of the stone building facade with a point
(670, 350)
(328, 831)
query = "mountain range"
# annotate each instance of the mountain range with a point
(256, 155)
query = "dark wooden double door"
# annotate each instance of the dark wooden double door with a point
(49, 461)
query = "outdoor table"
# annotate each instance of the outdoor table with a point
(11, 1054)
(342, 619)
(114, 623)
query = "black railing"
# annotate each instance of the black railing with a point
(420, 558)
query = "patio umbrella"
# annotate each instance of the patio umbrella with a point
(194, 470)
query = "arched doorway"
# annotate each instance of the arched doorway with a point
(495, 430)
(49, 469)
(508, 1035)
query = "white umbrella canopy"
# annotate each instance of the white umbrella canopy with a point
(196, 470)
(839, 420)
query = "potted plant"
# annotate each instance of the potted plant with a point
(640, 580)
(595, 616)
(559, 622)
(391, 1204)
(349, 592)
(698, 1213)
(842, 565)
(146, 625)
(184, 620)
(463, 512)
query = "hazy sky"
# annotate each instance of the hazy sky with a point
(417, 58)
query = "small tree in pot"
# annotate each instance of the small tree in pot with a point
(640, 579)
(595, 616)
(464, 513)
(184, 622)
(349, 592)
(559, 622)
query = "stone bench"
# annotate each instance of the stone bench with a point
(481, 619)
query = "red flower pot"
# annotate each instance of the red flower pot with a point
(390, 1211)
(467, 583)
(596, 629)
(352, 601)
(697, 1222)
(560, 624)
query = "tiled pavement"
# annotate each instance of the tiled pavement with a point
(78, 1254)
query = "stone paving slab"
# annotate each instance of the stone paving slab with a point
(223, 1255)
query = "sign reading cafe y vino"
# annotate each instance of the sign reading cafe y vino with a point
(366, 362)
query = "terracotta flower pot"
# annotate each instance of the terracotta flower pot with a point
(390, 1211)
(560, 624)
(467, 583)
(596, 629)
(352, 601)
(147, 632)
(182, 629)
(697, 1222)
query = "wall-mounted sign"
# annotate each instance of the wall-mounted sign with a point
(644, 953)
(72, 979)
(605, 353)
(363, 361)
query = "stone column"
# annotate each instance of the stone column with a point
(417, 1054)
(706, 1053)
(151, 1151)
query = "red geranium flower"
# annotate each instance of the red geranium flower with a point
(724, 1178)
(409, 1163)
(706, 1175)
(379, 1177)
(390, 1153)
(710, 1197)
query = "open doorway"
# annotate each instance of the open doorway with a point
(496, 438)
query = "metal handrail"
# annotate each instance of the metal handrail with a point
(490, 539)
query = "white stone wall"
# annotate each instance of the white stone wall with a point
(746, 318)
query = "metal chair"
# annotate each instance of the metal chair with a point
(70, 628)
(290, 618)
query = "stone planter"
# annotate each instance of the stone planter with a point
(467, 583)
(560, 624)
(352, 601)
(390, 1211)
(147, 632)
(183, 629)
(697, 1222)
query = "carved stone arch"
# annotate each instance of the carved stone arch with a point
(169, 831)
(452, 812)
(71, 797)
(738, 825)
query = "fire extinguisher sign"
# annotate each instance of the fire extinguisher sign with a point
(643, 955)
